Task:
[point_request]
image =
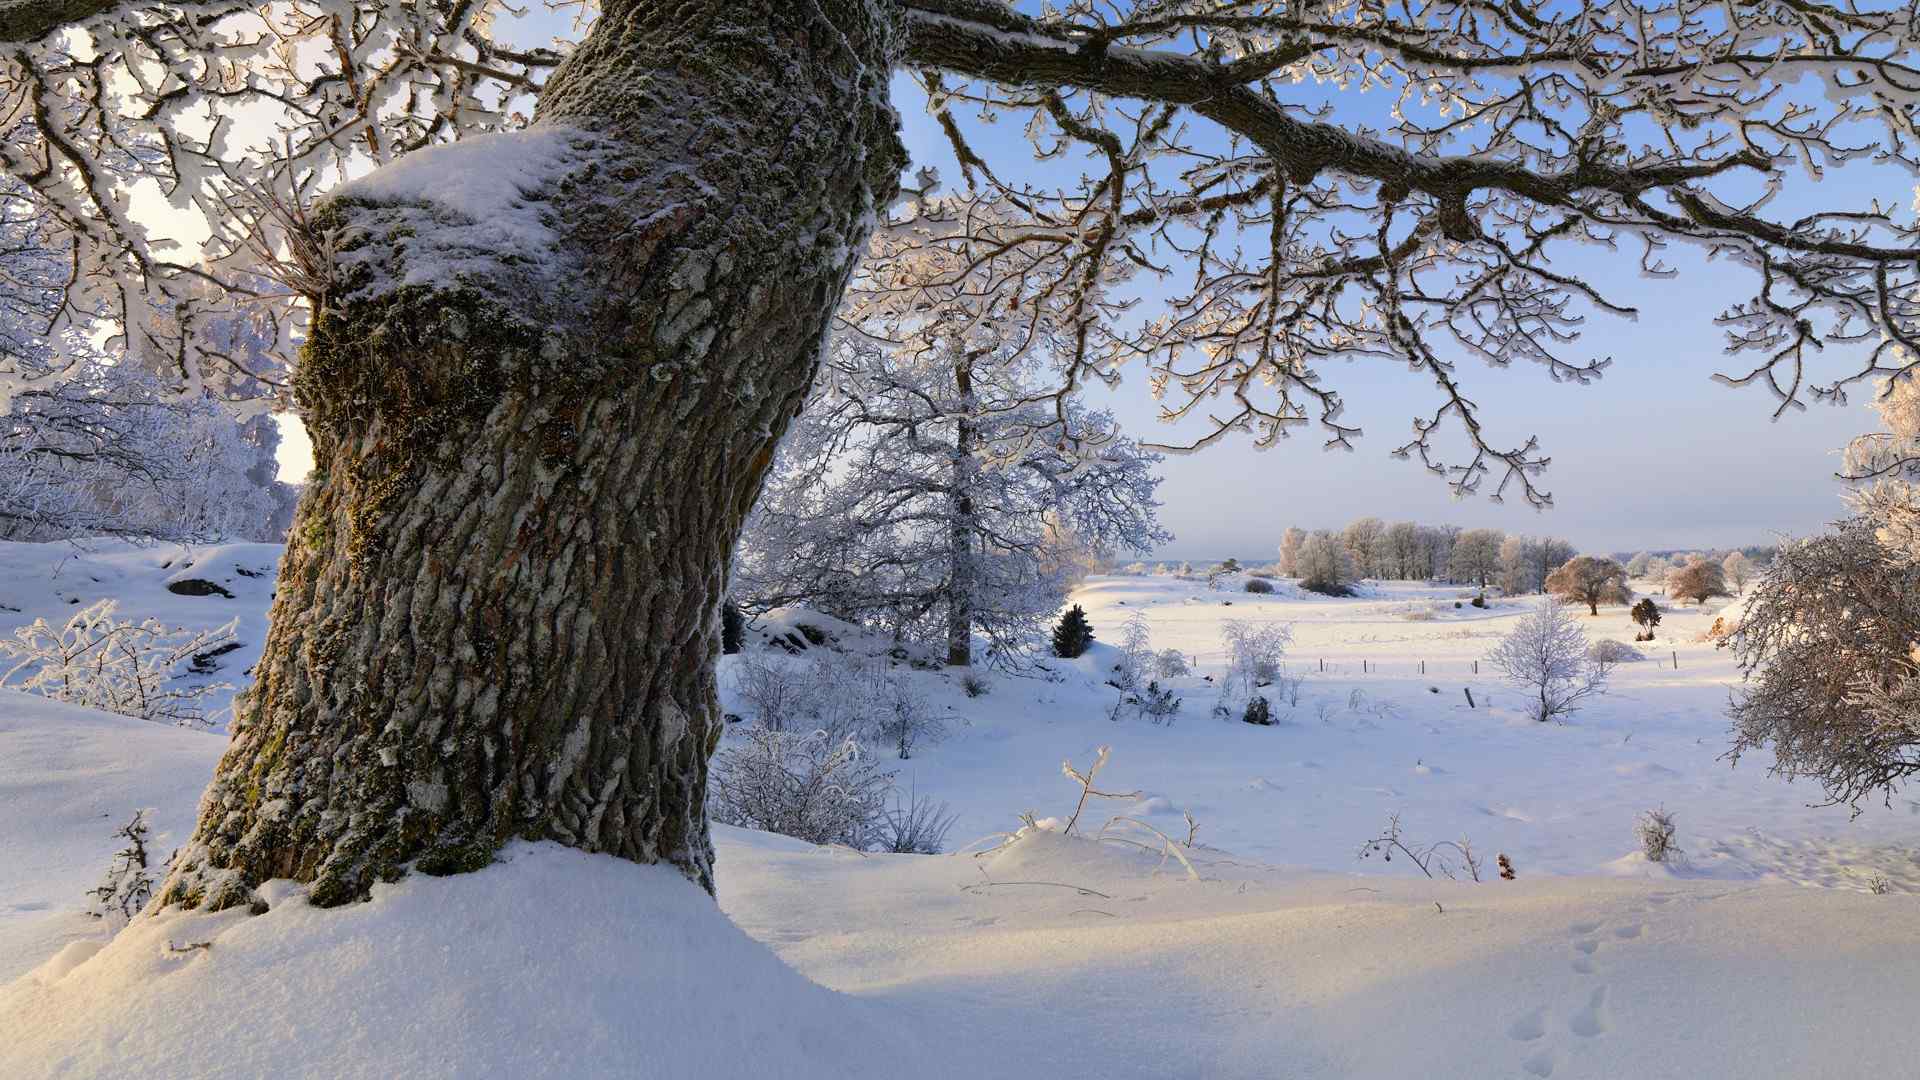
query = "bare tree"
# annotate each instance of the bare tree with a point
(1590, 580)
(559, 382)
(1546, 653)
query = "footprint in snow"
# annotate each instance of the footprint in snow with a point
(1528, 1027)
(1541, 1063)
(1594, 1019)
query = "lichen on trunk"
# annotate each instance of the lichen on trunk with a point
(498, 613)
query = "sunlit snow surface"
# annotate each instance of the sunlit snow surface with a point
(1055, 955)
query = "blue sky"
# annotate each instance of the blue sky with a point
(1655, 454)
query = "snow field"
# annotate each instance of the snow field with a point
(1036, 954)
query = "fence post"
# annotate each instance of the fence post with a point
(1468, 690)
(1676, 660)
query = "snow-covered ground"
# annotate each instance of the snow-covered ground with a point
(1053, 955)
(1373, 735)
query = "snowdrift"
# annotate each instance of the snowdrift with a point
(550, 963)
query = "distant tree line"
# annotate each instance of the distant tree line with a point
(1409, 551)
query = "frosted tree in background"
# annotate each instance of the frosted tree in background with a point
(1738, 569)
(920, 494)
(1475, 559)
(579, 359)
(95, 443)
(1290, 543)
(1699, 581)
(1326, 565)
(1525, 562)
(1640, 565)
(1366, 542)
(1590, 580)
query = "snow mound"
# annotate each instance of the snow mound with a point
(242, 571)
(551, 963)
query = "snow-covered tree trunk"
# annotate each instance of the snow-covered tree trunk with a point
(498, 614)
(962, 580)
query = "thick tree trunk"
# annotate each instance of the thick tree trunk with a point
(962, 580)
(498, 612)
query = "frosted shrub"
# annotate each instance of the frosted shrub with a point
(1254, 651)
(901, 717)
(1655, 829)
(1547, 654)
(842, 694)
(809, 786)
(1136, 662)
(916, 827)
(101, 662)
(1607, 650)
(974, 684)
(1170, 664)
(774, 691)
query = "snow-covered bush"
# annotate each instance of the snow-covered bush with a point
(102, 662)
(1655, 828)
(809, 785)
(1609, 651)
(1136, 660)
(775, 690)
(843, 694)
(901, 716)
(1254, 652)
(1170, 664)
(128, 884)
(1546, 653)
(1258, 585)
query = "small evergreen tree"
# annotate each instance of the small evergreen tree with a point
(1072, 634)
(1258, 712)
(1647, 616)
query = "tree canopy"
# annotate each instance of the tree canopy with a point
(1269, 234)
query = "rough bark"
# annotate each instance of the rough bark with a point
(498, 614)
(961, 528)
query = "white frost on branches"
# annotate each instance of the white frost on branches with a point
(1546, 654)
(130, 668)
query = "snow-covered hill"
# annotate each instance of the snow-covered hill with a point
(1048, 955)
